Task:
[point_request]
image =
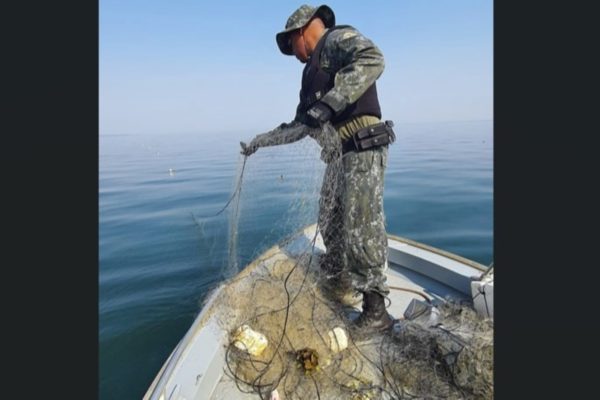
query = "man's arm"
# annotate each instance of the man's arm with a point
(358, 63)
(283, 134)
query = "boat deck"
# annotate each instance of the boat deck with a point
(398, 276)
(196, 368)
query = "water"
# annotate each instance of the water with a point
(157, 263)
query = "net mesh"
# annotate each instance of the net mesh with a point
(283, 296)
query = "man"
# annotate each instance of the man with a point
(338, 88)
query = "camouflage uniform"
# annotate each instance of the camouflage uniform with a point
(356, 63)
(351, 218)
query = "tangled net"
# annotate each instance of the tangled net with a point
(281, 296)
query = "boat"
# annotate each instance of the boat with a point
(417, 274)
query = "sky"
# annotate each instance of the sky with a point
(192, 66)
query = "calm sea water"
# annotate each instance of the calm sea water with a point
(159, 256)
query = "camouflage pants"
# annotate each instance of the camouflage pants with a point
(351, 218)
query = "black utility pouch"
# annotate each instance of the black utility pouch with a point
(373, 136)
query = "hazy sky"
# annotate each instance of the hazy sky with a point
(177, 66)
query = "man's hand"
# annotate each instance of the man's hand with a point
(248, 149)
(318, 114)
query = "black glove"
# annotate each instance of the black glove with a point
(318, 114)
(248, 149)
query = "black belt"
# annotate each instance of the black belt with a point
(349, 145)
(370, 137)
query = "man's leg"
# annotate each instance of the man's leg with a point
(331, 219)
(364, 232)
(336, 284)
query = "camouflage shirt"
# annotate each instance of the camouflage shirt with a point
(356, 63)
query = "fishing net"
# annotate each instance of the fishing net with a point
(311, 350)
(281, 298)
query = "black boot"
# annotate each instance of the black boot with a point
(336, 284)
(339, 290)
(374, 317)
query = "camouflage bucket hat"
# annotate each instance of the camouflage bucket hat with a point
(298, 19)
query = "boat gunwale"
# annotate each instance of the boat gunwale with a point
(440, 252)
